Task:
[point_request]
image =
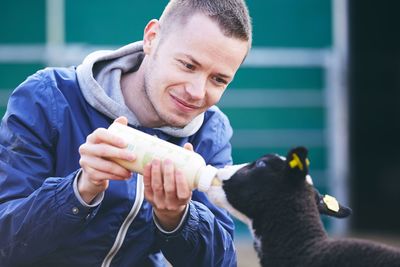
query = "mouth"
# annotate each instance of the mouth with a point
(183, 105)
(228, 171)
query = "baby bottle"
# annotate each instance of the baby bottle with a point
(147, 147)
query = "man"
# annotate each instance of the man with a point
(63, 202)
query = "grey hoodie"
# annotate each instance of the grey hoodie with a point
(99, 78)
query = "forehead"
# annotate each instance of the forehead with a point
(272, 156)
(273, 161)
(202, 39)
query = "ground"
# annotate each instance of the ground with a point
(248, 258)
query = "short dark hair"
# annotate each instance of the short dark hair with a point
(232, 16)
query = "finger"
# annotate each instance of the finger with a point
(183, 191)
(148, 191)
(157, 183)
(123, 120)
(106, 151)
(97, 177)
(102, 135)
(169, 182)
(188, 146)
(105, 166)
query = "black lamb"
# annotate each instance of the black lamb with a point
(275, 196)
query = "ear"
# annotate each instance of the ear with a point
(297, 162)
(328, 205)
(151, 33)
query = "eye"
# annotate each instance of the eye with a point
(187, 65)
(260, 163)
(219, 80)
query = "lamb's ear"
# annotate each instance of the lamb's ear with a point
(328, 205)
(298, 162)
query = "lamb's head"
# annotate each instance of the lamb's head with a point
(272, 181)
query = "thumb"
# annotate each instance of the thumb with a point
(188, 146)
(123, 120)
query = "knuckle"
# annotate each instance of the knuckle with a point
(101, 130)
(183, 197)
(95, 135)
(102, 152)
(169, 189)
(158, 188)
(82, 149)
(159, 206)
(98, 131)
(91, 136)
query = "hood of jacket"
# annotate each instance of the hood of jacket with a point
(99, 78)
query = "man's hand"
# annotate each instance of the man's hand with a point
(167, 190)
(97, 168)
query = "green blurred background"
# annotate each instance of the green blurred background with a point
(293, 89)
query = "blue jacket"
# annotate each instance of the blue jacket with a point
(43, 223)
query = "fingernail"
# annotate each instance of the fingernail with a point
(130, 157)
(122, 142)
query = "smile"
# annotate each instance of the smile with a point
(184, 105)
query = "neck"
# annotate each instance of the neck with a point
(293, 227)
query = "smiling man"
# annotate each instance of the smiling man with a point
(63, 203)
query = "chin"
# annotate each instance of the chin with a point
(176, 122)
(179, 121)
(181, 124)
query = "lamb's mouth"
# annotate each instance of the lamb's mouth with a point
(228, 171)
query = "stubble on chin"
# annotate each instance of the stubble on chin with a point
(160, 117)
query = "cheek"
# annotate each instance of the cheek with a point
(214, 95)
(160, 74)
(173, 78)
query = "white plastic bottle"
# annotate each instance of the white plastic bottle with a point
(147, 147)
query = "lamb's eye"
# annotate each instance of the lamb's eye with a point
(260, 163)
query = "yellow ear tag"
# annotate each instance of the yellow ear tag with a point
(331, 203)
(296, 162)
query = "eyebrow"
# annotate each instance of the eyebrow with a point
(195, 62)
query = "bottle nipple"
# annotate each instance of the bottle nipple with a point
(216, 182)
(205, 179)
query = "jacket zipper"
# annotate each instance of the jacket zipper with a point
(127, 222)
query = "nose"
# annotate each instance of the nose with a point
(196, 88)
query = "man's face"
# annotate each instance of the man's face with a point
(188, 70)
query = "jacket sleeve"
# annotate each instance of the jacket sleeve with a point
(36, 210)
(206, 236)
